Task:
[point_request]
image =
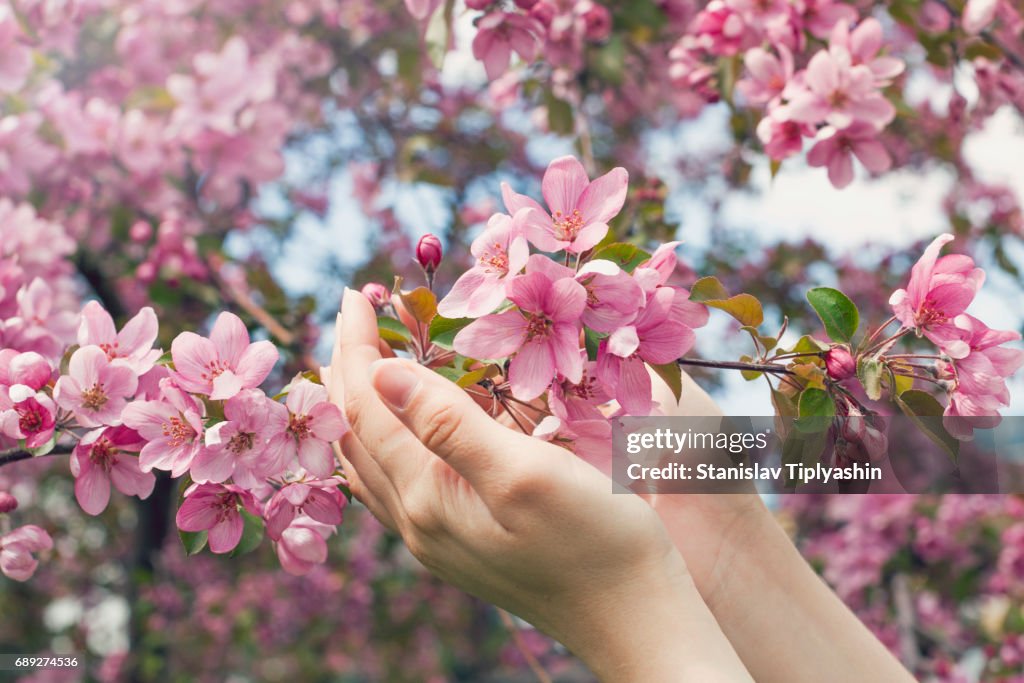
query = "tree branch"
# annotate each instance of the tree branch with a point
(18, 454)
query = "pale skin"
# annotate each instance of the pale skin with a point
(674, 588)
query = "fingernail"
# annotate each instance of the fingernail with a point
(393, 381)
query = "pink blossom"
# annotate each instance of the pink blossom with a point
(15, 54)
(8, 503)
(319, 500)
(16, 548)
(940, 289)
(979, 378)
(224, 364)
(542, 333)
(304, 428)
(654, 337)
(501, 252)
(720, 27)
(133, 344)
(303, 545)
(28, 416)
(501, 33)
(237, 447)
(589, 439)
(978, 14)
(834, 92)
(781, 136)
(835, 150)
(861, 46)
(613, 295)
(217, 509)
(580, 209)
(95, 389)
(172, 427)
(821, 16)
(28, 369)
(767, 75)
(108, 455)
(575, 401)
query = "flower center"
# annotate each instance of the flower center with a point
(838, 99)
(94, 397)
(299, 426)
(179, 431)
(111, 350)
(585, 389)
(30, 420)
(227, 506)
(213, 370)
(495, 260)
(929, 315)
(567, 226)
(241, 442)
(538, 326)
(102, 453)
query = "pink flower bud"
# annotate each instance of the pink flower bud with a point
(865, 441)
(598, 21)
(429, 252)
(377, 293)
(8, 503)
(544, 12)
(840, 363)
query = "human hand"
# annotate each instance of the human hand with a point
(516, 521)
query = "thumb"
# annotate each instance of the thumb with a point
(447, 421)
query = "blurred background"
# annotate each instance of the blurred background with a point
(260, 155)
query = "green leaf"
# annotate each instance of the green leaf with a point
(474, 376)
(420, 303)
(673, 377)
(869, 372)
(749, 375)
(808, 345)
(45, 448)
(252, 534)
(450, 374)
(622, 254)
(926, 413)
(743, 307)
(591, 341)
(836, 311)
(393, 332)
(442, 330)
(816, 409)
(193, 541)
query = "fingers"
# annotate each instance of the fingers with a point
(366, 480)
(448, 422)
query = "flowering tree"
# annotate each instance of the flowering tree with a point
(154, 157)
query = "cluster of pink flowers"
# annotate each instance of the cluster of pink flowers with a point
(638, 317)
(836, 98)
(202, 414)
(974, 365)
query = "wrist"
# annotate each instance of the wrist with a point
(657, 628)
(718, 535)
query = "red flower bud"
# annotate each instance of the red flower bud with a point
(429, 252)
(377, 293)
(840, 363)
(8, 503)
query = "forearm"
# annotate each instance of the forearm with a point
(786, 624)
(657, 630)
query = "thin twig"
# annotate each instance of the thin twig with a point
(736, 365)
(531, 661)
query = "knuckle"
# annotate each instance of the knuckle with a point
(422, 513)
(529, 483)
(441, 426)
